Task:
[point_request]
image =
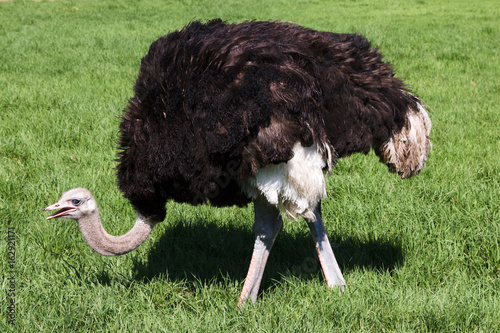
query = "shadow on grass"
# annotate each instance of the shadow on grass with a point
(209, 253)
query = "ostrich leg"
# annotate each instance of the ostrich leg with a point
(331, 269)
(267, 225)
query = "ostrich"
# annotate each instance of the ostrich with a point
(256, 111)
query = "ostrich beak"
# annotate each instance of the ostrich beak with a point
(64, 209)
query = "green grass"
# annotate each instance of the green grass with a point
(418, 255)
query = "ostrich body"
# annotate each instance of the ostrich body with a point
(256, 111)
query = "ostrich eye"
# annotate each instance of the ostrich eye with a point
(76, 202)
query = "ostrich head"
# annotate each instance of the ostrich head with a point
(79, 204)
(74, 204)
(406, 151)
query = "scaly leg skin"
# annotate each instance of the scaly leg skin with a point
(331, 269)
(268, 224)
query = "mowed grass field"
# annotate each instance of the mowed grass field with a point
(419, 255)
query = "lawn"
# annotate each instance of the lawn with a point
(421, 254)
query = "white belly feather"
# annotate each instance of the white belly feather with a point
(296, 186)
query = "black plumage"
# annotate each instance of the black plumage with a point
(216, 102)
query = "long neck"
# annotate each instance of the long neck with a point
(108, 245)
